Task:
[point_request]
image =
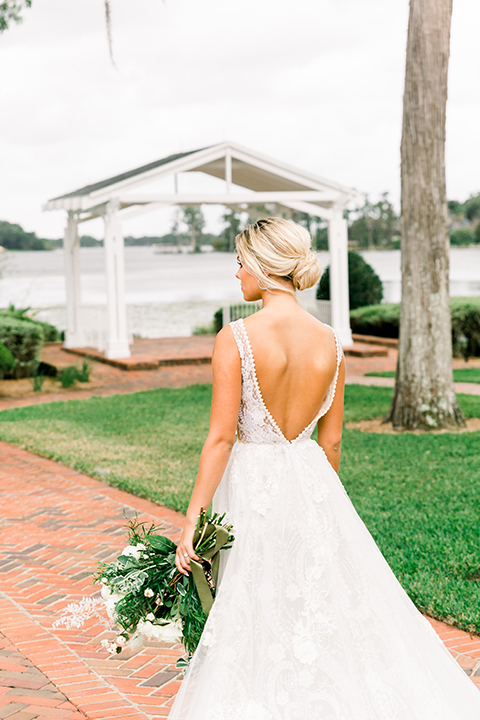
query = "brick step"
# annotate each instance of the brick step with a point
(363, 350)
(375, 340)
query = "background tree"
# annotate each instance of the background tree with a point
(195, 221)
(10, 12)
(375, 225)
(175, 230)
(14, 237)
(233, 221)
(424, 395)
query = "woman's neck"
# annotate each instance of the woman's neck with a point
(278, 299)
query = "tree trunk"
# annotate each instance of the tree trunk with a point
(424, 395)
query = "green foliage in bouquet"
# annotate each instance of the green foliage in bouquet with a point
(147, 596)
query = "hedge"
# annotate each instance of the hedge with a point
(384, 320)
(50, 332)
(24, 339)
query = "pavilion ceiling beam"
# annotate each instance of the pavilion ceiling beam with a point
(309, 209)
(132, 212)
(232, 197)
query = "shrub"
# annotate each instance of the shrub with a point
(38, 378)
(384, 320)
(462, 236)
(83, 375)
(205, 329)
(476, 233)
(24, 339)
(364, 285)
(380, 320)
(218, 320)
(465, 326)
(68, 376)
(50, 332)
(7, 361)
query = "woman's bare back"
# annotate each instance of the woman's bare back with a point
(295, 358)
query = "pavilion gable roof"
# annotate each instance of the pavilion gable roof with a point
(248, 169)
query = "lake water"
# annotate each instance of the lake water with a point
(169, 294)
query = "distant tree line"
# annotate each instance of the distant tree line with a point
(375, 225)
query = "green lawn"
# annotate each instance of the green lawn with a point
(418, 494)
(468, 375)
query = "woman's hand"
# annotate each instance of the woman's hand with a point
(185, 549)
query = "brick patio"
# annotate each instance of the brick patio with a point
(56, 525)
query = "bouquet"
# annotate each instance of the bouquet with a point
(147, 597)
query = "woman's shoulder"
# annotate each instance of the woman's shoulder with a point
(225, 346)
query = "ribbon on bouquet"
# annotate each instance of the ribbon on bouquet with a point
(205, 573)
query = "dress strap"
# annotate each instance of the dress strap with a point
(333, 387)
(241, 340)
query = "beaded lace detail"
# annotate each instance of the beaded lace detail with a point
(255, 422)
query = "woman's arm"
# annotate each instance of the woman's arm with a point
(330, 425)
(226, 393)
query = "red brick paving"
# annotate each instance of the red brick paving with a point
(104, 380)
(148, 353)
(56, 525)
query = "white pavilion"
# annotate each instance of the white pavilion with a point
(248, 178)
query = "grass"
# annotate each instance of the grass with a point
(468, 375)
(418, 494)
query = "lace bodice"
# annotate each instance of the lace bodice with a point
(255, 422)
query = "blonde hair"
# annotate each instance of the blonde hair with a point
(273, 249)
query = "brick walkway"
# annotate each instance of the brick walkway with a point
(56, 525)
(104, 380)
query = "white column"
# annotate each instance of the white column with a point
(117, 335)
(338, 246)
(228, 170)
(74, 336)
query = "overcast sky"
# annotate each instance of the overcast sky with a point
(316, 83)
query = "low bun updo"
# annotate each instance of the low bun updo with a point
(275, 250)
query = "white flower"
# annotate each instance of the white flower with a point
(134, 550)
(150, 616)
(105, 643)
(172, 632)
(120, 640)
(149, 593)
(110, 599)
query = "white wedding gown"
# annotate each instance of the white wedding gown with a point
(309, 622)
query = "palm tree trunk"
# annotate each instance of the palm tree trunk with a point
(424, 395)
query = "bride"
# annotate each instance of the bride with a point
(309, 622)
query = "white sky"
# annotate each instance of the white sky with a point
(316, 83)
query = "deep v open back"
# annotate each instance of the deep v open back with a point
(255, 422)
(309, 622)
